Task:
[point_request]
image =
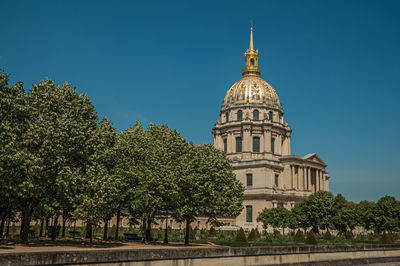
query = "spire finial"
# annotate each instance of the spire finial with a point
(251, 48)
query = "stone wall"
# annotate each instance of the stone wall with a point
(288, 255)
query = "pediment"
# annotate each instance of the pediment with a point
(313, 157)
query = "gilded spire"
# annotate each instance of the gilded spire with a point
(251, 48)
(251, 59)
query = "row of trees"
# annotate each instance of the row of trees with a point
(323, 211)
(56, 160)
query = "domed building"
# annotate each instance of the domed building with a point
(256, 138)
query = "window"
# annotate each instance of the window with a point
(255, 115)
(239, 144)
(239, 115)
(249, 214)
(249, 180)
(276, 180)
(273, 145)
(256, 144)
(225, 145)
(271, 116)
(227, 117)
(252, 62)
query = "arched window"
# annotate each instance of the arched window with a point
(252, 62)
(239, 144)
(227, 117)
(255, 115)
(256, 144)
(271, 116)
(239, 115)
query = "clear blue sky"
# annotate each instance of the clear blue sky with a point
(335, 66)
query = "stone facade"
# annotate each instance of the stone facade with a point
(256, 138)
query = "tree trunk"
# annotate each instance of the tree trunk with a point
(26, 220)
(87, 230)
(22, 222)
(117, 225)
(187, 231)
(46, 227)
(144, 225)
(91, 233)
(55, 225)
(166, 231)
(64, 221)
(73, 235)
(41, 227)
(105, 230)
(3, 221)
(148, 230)
(8, 227)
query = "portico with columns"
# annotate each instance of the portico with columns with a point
(252, 131)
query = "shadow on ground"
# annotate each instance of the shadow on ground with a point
(43, 242)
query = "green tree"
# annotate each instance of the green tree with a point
(13, 124)
(207, 187)
(99, 186)
(366, 214)
(318, 210)
(130, 151)
(60, 125)
(387, 213)
(152, 165)
(300, 219)
(345, 214)
(276, 217)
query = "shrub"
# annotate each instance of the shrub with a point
(192, 235)
(276, 233)
(348, 235)
(281, 239)
(386, 239)
(221, 235)
(328, 235)
(258, 235)
(310, 239)
(252, 236)
(212, 231)
(371, 237)
(240, 236)
(339, 239)
(203, 234)
(111, 231)
(299, 236)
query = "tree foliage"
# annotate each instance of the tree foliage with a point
(57, 159)
(275, 217)
(387, 214)
(207, 186)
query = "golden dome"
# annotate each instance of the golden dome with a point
(251, 88)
